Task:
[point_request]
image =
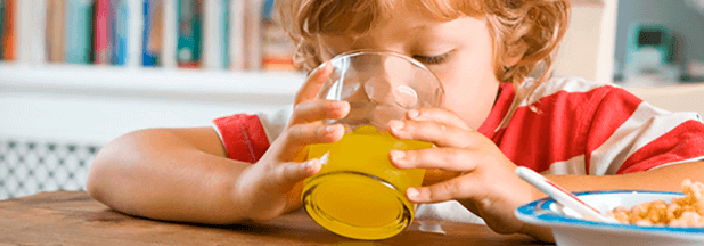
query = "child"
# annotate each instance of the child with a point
(582, 135)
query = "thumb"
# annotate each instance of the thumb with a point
(294, 172)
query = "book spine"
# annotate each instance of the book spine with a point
(55, 25)
(190, 33)
(169, 38)
(8, 36)
(277, 50)
(133, 33)
(2, 25)
(121, 32)
(31, 34)
(146, 33)
(224, 35)
(78, 31)
(111, 32)
(237, 35)
(93, 13)
(101, 30)
(212, 34)
(253, 35)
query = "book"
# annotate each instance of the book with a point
(101, 31)
(55, 23)
(8, 32)
(135, 23)
(30, 32)
(214, 33)
(2, 23)
(152, 37)
(277, 50)
(252, 33)
(93, 12)
(120, 32)
(189, 47)
(236, 35)
(169, 38)
(78, 22)
(224, 28)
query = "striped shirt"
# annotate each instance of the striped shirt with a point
(566, 126)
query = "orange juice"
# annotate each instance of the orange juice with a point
(358, 193)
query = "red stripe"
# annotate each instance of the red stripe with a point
(243, 136)
(614, 109)
(681, 143)
(555, 133)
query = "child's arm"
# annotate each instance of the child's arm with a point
(175, 175)
(184, 174)
(486, 183)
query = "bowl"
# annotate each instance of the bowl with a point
(570, 229)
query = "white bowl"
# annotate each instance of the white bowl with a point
(569, 229)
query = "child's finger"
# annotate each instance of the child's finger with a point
(309, 89)
(439, 115)
(293, 172)
(458, 188)
(314, 132)
(319, 109)
(442, 135)
(447, 159)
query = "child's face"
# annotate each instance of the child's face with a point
(459, 52)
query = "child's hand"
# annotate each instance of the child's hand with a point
(272, 186)
(486, 183)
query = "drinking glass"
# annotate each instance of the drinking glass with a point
(358, 193)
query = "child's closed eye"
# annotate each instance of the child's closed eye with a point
(433, 60)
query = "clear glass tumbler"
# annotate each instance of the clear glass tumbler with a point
(358, 193)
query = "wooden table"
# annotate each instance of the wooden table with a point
(74, 218)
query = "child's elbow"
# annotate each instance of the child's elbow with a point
(102, 169)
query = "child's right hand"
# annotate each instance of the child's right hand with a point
(273, 185)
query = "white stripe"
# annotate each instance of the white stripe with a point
(275, 122)
(575, 165)
(566, 84)
(217, 129)
(645, 125)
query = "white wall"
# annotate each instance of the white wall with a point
(588, 45)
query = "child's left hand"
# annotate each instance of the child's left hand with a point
(487, 184)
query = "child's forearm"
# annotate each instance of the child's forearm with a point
(667, 178)
(158, 175)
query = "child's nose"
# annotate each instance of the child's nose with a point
(388, 80)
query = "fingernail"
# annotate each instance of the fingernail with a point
(397, 155)
(395, 125)
(413, 113)
(330, 129)
(412, 193)
(306, 165)
(339, 104)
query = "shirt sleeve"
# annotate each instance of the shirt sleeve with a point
(246, 137)
(629, 135)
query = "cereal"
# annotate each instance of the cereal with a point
(683, 211)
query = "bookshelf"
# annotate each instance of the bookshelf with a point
(74, 97)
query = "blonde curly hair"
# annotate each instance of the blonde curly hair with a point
(536, 26)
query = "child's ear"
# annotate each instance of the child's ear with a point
(516, 53)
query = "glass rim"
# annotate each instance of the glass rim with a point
(362, 52)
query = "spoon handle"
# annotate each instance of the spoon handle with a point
(561, 195)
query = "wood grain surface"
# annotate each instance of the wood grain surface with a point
(74, 218)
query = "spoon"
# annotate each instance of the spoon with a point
(561, 195)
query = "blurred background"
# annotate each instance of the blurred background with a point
(75, 74)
